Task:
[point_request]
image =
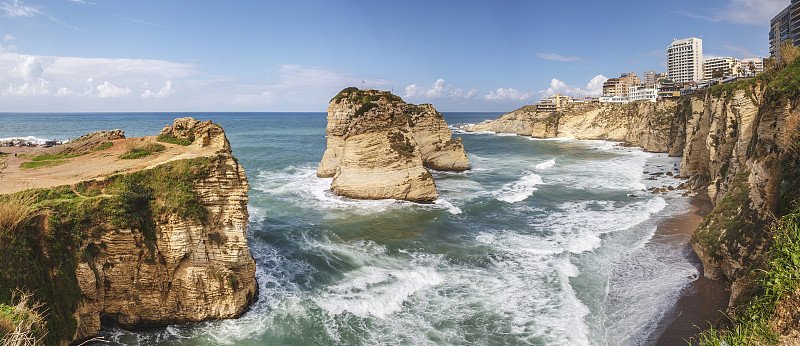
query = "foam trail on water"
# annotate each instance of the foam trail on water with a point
(545, 165)
(520, 190)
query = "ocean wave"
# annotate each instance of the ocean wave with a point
(519, 190)
(32, 139)
(545, 165)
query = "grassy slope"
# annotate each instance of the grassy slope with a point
(41, 255)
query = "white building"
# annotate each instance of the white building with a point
(635, 93)
(751, 70)
(729, 67)
(685, 60)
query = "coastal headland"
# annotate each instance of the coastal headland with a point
(139, 231)
(738, 142)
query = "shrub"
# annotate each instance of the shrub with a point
(175, 140)
(14, 210)
(138, 152)
(21, 323)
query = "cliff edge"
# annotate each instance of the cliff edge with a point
(163, 242)
(379, 147)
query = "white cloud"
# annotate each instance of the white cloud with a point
(556, 57)
(439, 90)
(16, 8)
(508, 94)
(82, 2)
(63, 91)
(163, 92)
(753, 12)
(8, 37)
(110, 90)
(595, 86)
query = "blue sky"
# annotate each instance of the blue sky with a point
(295, 55)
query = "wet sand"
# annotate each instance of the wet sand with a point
(703, 301)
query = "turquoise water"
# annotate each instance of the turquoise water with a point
(543, 242)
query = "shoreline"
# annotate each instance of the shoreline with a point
(702, 303)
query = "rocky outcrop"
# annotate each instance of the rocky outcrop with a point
(379, 147)
(644, 124)
(195, 269)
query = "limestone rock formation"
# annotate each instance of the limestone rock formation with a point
(193, 270)
(644, 124)
(379, 147)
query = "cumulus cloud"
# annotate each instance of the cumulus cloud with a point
(508, 94)
(593, 88)
(556, 57)
(753, 12)
(110, 90)
(438, 91)
(24, 75)
(163, 92)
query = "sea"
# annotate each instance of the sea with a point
(542, 242)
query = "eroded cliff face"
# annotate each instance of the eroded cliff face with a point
(735, 145)
(644, 124)
(186, 268)
(379, 147)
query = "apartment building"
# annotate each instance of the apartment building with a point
(685, 60)
(727, 65)
(553, 103)
(785, 26)
(649, 77)
(620, 86)
(751, 67)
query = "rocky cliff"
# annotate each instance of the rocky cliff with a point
(379, 147)
(150, 247)
(739, 142)
(644, 124)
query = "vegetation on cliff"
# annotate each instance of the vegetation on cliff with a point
(770, 312)
(56, 228)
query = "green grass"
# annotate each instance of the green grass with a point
(174, 140)
(50, 157)
(39, 164)
(780, 278)
(41, 255)
(142, 151)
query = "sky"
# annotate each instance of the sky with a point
(295, 55)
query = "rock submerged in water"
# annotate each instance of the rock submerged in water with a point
(379, 147)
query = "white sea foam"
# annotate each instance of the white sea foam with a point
(32, 139)
(375, 291)
(519, 190)
(545, 165)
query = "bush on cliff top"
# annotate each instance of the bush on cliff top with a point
(42, 253)
(780, 279)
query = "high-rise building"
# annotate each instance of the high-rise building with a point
(785, 26)
(751, 67)
(726, 65)
(685, 60)
(649, 77)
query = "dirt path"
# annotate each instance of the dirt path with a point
(14, 178)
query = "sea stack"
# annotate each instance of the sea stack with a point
(379, 147)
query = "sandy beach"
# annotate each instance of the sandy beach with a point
(703, 301)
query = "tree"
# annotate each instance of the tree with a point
(717, 73)
(788, 52)
(752, 67)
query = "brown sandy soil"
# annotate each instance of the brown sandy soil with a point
(704, 301)
(14, 178)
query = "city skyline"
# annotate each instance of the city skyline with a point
(81, 56)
